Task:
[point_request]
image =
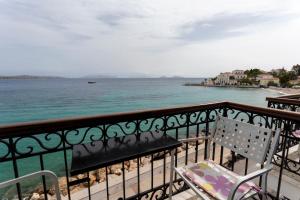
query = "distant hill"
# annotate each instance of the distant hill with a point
(25, 77)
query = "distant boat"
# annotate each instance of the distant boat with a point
(91, 82)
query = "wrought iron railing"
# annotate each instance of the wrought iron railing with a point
(286, 102)
(29, 147)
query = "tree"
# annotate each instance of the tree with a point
(245, 81)
(284, 78)
(296, 69)
(272, 83)
(253, 73)
(292, 75)
(278, 72)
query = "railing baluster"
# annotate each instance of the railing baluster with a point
(282, 159)
(64, 139)
(187, 136)
(138, 177)
(89, 185)
(15, 165)
(164, 169)
(246, 166)
(213, 151)
(152, 171)
(176, 153)
(107, 187)
(221, 155)
(43, 177)
(123, 177)
(197, 143)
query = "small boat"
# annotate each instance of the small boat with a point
(91, 82)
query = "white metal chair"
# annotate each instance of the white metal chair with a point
(47, 173)
(210, 180)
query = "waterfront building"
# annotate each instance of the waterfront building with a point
(230, 78)
(265, 79)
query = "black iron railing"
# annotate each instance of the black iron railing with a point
(29, 147)
(286, 102)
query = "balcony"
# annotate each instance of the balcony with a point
(30, 147)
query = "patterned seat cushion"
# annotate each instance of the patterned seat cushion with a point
(216, 180)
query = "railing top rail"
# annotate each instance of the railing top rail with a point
(271, 112)
(52, 125)
(283, 100)
(290, 96)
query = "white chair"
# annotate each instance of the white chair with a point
(210, 180)
(47, 173)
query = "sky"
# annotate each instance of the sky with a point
(191, 38)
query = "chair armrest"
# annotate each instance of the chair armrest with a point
(248, 177)
(194, 139)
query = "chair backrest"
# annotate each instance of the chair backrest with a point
(246, 139)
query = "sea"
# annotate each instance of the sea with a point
(41, 99)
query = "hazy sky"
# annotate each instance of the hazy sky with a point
(155, 37)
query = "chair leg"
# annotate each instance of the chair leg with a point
(171, 174)
(264, 186)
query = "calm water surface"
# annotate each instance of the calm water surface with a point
(28, 100)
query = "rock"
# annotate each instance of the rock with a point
(133, 165)
(80, 176)
(35, 196)
(126, 164)
(118, 172)
(183, 147)
(42, 197)
(179, 149)
(99, 175)
(114, 168)
(62, 186)
(39, 189)
(158, 156)
(144, 161)
(92, 181)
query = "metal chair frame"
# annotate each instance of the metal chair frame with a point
(264, 147)
(48, 173)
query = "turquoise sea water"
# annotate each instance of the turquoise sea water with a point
(29, 100)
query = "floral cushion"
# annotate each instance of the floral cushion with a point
(296, 133)
(216, 180)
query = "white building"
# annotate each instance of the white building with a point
(230, 78)
(239, 74)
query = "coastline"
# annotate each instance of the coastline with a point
(284, 91)
(220, 86)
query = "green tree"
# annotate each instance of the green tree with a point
(296, 69)
(292, 75)
(278, 72)
(253, 73)
(272, 83)
(284, 78)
